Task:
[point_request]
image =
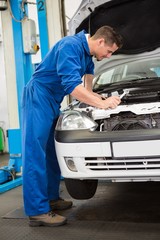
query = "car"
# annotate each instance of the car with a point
(121, 144)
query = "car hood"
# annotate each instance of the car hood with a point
(136, 20)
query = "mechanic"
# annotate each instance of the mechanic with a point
(60, 73)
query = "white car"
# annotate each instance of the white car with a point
(121, 144)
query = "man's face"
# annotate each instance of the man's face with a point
(104, 50)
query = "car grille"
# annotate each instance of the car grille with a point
(109, 164)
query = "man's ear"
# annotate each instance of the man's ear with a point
(101, 41)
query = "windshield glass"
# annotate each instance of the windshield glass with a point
(129, 71)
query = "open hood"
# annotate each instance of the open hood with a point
(137, 21)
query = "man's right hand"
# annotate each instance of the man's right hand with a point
(111, 102)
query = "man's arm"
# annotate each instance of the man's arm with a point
(88, 83)
(82, 94)
(88, 79)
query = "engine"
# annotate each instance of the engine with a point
(126, 117)
(139, 109)
(129, 121)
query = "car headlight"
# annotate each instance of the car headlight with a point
(75, 120)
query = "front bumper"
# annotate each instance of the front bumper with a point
(118, 156)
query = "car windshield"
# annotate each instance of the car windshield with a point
(143, 69)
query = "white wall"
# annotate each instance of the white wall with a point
(3, 91)
(8, 90)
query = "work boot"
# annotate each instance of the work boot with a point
(60, 204)
(49, 219)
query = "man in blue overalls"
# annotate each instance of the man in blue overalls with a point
(59, 74)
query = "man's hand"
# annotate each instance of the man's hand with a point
(94, 99)
(112, 102)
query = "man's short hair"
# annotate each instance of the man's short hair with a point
(110, 36)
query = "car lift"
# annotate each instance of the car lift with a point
(10, 176)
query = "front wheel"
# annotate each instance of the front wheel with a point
(81, 189)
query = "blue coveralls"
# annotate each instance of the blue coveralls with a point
(56, 76)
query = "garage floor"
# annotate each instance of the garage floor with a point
(119, 211)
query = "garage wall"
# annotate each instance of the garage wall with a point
(3, 90)
(8, 92)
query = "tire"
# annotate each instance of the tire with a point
(81, 189)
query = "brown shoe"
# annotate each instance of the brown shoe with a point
(49, 219)
(60, 204)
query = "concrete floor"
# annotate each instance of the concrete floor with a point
(119, 211)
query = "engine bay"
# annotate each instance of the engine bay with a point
(139, 109)
(129, 121)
